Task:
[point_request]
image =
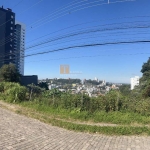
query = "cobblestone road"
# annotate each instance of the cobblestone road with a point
(21, 133)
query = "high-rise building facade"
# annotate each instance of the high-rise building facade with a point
(20, 45)
(12, 40)
(134, 82)
(7, 29)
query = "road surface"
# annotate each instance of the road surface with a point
(18, 132)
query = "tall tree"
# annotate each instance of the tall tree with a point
(9, 73)
(146, 66)
(43, 85)
(145, 80)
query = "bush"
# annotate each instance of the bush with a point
(1, 87)
(13, 92)
(113, 101)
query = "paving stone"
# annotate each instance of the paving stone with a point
(18, 132)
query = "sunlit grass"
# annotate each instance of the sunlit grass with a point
(116, 117)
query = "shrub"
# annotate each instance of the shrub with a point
(17, 94)
(113, 101)
(12, 92)
(1, 87)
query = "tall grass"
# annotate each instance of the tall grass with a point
(112, 108)
(115, 117)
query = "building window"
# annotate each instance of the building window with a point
(12, 16)
(10, 51)
(10, 57)
(11, 28)
(11, 34)
(11, 22)
(10, 45)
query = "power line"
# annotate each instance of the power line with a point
(13, 6)
(40, 1)
(72, 11)
(87, 45)
(78, 57)
(62, 8)
(105, 29)
(2, 43)
(75, 43)
(86, 23)
(89, 37)
(18, 3)
(87, 31)
(23, 11)
(8, 38)
(117, 1)
(88, 28)
(69, 5)
(51, 14)
(11, 37)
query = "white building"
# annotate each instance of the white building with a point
(96, 79)
(20, 45)
(134, 82)
(103, 83)
(107, 88)
(52, 86)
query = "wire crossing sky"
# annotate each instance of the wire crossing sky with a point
(51, 25)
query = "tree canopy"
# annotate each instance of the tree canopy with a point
(144, 87)
(146, 66)
(125, 89)
(43, 85)
(9, 73)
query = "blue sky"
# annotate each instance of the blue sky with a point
(113, 63)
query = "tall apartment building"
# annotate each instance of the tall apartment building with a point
(134, 82)
(7, 29)
(12, 38)
(19, 45)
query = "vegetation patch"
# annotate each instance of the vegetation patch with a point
(130, 110)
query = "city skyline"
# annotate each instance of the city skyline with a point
(112, 62)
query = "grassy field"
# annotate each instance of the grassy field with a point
(126, 124)
(123, 118)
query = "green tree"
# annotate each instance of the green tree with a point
(145, 80)
(125, 89)
(146, 66)
(43, 85)
(35, 91)
(113, 101)
(146, 72)
(9, 73)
